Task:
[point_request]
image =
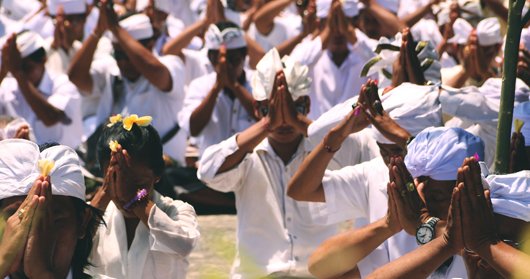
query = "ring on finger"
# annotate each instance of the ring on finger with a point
(20, 213)
(403, 193)
(410, 187)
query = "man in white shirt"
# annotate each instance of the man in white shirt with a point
(219, 104)
(50, 103)
(275, 233)
(335, 58)
(135, 81)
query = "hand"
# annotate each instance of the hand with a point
(103, 195)
(475, 63)
(411, 209)
(214, 12)
(274, 115)
(413, 64)
(39, 252)
(309, 19)
(518, 157)
(453, 230)
(17, 229)
(22, 132)
(476, 210)
(13, 60)
(108, 19)
(60, 34)
(289, 113)
(392, 214)
(225, 76)
(523, 66)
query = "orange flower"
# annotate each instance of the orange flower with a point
(134, 119)
(114, 119)
(113, 145)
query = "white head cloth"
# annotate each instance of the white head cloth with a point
(351, 8)
(70, 7)
(462, 30)
(522, 112)
(510, 194)
(491, 88)
(413, 107)
(439, 152)
(296, 76)
(469, 10)
(231, 37)
(10, 130)
(17, 9)
(138, 26)
(161, 5)
(489, 32)
(19, 169)
(388, 52)
(28, 42)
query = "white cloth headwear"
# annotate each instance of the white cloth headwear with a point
(28, 42)
(413, 107)
(231, 37)
(351, 8)
(462, 30)
(510, 194)
(138, 26)
(19, 169)
(439, 152)
(388, 52)
(17, 9)
(161, 5)
(469, 10)
(522, 112)
(296, 76)
(489, 32)
(70, 7)
(525, 38)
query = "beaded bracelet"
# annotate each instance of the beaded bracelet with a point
(140, 195)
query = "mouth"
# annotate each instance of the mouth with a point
(284, 130)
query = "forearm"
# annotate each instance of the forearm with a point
(264, 17)
(341, 253)
(441, 47)
(417, 15)
(143, 60)
(245, 98)
(255, 52)
(306, 183)
(390, 23)
(417, 264)
(201, 115)
(246, 142)
(79, 70)
(458, 80)
(498, 8)
(287, 46)
(178, 43)
(508, 261)
(101, 199)
(45, 112)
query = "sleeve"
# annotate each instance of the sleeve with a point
(469, 103)
(66, 98)
(193, 98)
(173, 227)
(99, 72)
(212, 159)
(176, 69)
(308, 51)
(346, 193)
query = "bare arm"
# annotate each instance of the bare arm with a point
(79, 70)
(390, 23)
(414, 17)
(201, 115)
(255, 52)
(178, 43)
(264, 17)
(506, 260)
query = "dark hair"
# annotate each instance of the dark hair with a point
(142, 143)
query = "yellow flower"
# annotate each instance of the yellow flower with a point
(518, 123)
(134, 119)
(114, 119)
(113, 145)
(46, 166)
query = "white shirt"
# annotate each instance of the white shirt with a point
(142, 98)
(331, 84)
(286, 26)
(360, 192)
(228, 116)
(60, 93)
(159, 251)
(275, 234)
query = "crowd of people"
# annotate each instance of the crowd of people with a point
(379, 115)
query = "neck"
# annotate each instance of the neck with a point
(130, 228)
(285, 150)
(339, 57)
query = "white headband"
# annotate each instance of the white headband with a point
(19, 169)
(231, 37)
(161, 5)
(510, 194)
(351, 8)
(28, 42)
(489, 32)
(138, 26)
(70, 7)
(18, 10)
(296, 76)
(462, 30)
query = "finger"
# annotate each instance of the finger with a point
(456, 213)
(29, 211)
(127, 158)
(470, 189)
(35, 190)
(488, 200)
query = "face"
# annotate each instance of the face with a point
(369, 25)
(235, 59)
(127, 69)
(66, 224)
(74, 25)
(389, 150)
(437, 195)
(33, 70)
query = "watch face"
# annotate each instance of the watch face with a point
(424, 235)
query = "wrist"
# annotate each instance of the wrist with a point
(332, 142)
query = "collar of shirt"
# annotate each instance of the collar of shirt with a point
(265, 147)
(46, 84)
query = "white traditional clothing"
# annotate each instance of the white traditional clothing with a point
(60, 93)
(142, 98)
(285, 26)
(332, 84)
(158, 250)
(228, 116)
(276, 234)
(510, 194)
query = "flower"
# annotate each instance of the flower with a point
(113, 145)
(134, 119)
(114, 119)
(46, 166)
(518, 125)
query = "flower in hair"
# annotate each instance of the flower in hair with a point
(113, 145)
(518, 123)
(46, 166)
(114, 119)
(134, 119)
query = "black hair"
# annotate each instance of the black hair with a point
(141, 142)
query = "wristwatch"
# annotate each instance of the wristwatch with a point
(426, 231)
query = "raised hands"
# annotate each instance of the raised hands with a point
(476, 64)
(108, 19)
(60, 34)
(11, 59)
(225, 71)
(337, 25)
(408, 67)
(309, 18)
